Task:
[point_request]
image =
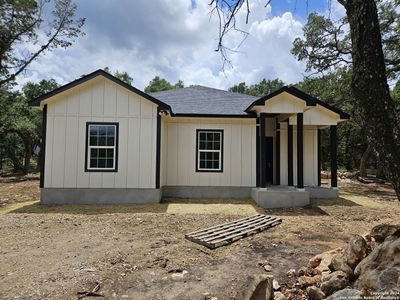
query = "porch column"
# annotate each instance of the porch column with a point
(258, 152)
(319, 156)
(300, 173)
(277, 152)
(290, 154)
(333, 136)
(263, 171)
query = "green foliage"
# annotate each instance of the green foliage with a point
(22, 24)
(264, 87)
(335, 89)
(327, 44)
(124, 76)
(158, 84)
(20, 124)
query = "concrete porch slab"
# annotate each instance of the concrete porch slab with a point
(280, 197)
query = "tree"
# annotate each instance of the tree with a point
(264, 87)
(158, 84)
(20, 124)
(369, 84)
(22, 29)
(124, 76)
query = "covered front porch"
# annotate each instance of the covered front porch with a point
(288, 148)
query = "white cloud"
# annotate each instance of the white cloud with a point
(174, 40)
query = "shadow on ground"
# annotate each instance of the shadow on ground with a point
(169, 206)
(340, 201)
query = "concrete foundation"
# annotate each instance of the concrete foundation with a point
(206, 192)
(320, 192)
(99, 196)
(280, 197)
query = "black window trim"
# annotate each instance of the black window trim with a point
(116, 124)
(221, 131)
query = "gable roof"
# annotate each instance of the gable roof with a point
(310, 100)
(198, 101)
(205, 101)
(36, 102)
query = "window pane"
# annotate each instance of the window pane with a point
(102, 141)
(93, 141)
(110, 141)
(101, 163)
(93, 130)
(209, 155)
(102, 130)
(102, 153)
(202, 155)
(110, 131)
(202, 164)
(110, 153)
(109, 163)
(216, 164)
(202, 145)
(216, 156)
(209, 136)
(202, 136)
(209, 164)
(217, 146)
(93, 153)
(93, 163)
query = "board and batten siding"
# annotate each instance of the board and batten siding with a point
(100, 100)
(310, 155)
(239, 152)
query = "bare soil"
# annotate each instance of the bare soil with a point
(139, 251)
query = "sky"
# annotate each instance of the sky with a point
(176, 40)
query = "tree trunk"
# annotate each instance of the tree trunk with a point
(27, 154)
(27, 161)
(370, 88)
(364, 160)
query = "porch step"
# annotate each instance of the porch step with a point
(227, 233)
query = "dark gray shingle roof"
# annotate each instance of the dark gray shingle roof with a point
(204, 100)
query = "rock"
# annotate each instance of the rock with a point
(345, 294)
(334, 282)
(380, 270)
(322, 261)
(268, 268)
(309, 280)
(382, 231)
(256, 287)
(355, 251)
(279, 296)
(315, 293)
(179, 275)
(291, 273)
(275, 284)
(308, 271)
(338, 263)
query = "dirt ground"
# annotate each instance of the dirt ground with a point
(139, 251)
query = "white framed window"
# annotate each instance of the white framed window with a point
(209, 152)
(101, 147)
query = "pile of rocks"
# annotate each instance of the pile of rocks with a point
(369, 265)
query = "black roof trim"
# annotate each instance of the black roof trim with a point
(250, 115)
(36, 102)
(310, 100)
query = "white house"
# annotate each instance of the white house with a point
(108, 142)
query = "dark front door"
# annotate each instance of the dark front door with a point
(269, 147)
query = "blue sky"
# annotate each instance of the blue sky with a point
(176, 40)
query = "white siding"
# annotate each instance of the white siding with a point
(104, 101)
(239, 158)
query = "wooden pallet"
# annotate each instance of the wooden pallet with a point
(227, 233)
